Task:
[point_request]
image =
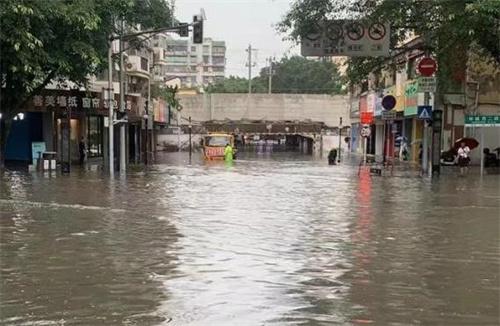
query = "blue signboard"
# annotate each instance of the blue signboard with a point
(424, 112)
(37, 149)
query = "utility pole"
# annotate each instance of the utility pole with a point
(190, 143)
(123, 159)
(270, 75)
(340, 138)
(250, 65)
(110, 104)
(425, 140)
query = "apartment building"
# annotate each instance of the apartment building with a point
(196, 65)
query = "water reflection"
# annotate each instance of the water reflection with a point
(281, 239)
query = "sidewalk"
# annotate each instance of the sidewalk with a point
(412, 169)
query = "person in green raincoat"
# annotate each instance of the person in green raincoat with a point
(228, 153)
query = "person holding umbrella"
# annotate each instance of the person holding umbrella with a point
(463, 147)
(463, 157)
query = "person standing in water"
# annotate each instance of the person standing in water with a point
(82, 150)
(228, 153)
(463, 158)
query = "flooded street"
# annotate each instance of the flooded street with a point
(281, 240)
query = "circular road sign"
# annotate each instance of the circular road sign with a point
(427, 66)
(314, 33)
(388, 102)
(365, 131)
(377, 31)
(355, 31)
(334, 31)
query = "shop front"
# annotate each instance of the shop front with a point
(62, 119)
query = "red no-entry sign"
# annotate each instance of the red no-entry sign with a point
(427, 66)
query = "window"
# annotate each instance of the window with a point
(206, 59)
(206, 69)
(218, 141)
(193, 49)
(218, 50)
(95, 126)
(144, 64)
(411, 68)
(171, 59)
(206, 49)
(218, 60)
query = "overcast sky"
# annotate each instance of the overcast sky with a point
(239, 23)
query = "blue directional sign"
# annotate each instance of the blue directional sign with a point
(424, 112)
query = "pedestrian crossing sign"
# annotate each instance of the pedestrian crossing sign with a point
(424, 112)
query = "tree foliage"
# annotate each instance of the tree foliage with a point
(41, 41)
(448, 27)
(290, 75)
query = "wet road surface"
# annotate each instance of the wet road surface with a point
(281, 240)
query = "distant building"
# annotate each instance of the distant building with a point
(196, 65)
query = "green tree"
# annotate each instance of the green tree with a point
(234, 84)
(291, 75)
(42, 41)
(449, 27)
(300, 75)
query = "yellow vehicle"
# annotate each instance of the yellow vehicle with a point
(214, 144)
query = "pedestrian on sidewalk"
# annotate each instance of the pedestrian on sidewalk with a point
(463, 158)
(81, 150)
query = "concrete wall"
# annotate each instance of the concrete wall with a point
(272, 107)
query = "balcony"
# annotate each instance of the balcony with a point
(138, 66)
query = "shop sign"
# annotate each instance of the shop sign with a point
(160, 111)
(76, 101)
(411, 98)
(371, 102)
(363, 104)
(482, 121)
(366, 118)
(63, 101)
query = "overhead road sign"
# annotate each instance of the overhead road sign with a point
(350, 38)
(424, 112)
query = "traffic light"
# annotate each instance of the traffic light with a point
(437, 120)
(197, 30)
(184, 30)
(121, 115)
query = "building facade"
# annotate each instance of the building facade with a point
(197, 65)
(472, 89)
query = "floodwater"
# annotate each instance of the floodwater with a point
(270, 240)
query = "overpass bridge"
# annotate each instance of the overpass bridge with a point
(311, 121)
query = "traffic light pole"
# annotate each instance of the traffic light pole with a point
(181, 29)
